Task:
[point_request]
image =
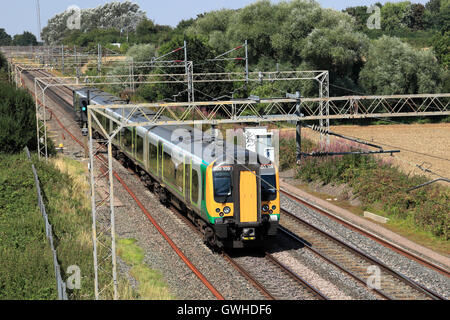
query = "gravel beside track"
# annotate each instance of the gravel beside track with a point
(280, 285)
(422, 275)
(325, 277)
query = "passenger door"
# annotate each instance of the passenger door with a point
(246, 193)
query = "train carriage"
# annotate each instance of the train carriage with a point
(235, 203)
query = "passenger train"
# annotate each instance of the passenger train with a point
(235, 204)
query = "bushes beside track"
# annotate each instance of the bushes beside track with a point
(17, 116)
(17, 119)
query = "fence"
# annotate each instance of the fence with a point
(60, 284)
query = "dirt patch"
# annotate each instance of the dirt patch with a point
(427, 145)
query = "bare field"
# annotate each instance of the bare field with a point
(427, 145)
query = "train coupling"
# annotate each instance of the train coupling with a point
(248, 234)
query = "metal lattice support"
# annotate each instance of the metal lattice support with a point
(41, 122)
(103, 219)
(324, 91)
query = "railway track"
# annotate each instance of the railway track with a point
(353, 261)
(370, 235)
(246, 266)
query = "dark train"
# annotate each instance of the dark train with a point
(236, 204)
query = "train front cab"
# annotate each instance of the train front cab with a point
(244, 203)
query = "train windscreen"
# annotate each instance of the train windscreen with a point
(222, 187)
(268, 188)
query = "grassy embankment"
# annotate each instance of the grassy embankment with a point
(421, 215)
(26, 267)
(151, 286)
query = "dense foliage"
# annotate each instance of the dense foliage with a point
(26, 264)
(405, 16)
(122, 16)
(382, 188)
(394, 66)
(24, 39)
(398, 58)
(17, 119)
(5, 38)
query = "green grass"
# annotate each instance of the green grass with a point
(151, 283)
(26, 264)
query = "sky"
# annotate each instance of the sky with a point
(20, 15)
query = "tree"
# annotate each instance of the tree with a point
(339, 50)
(198, 51)
(433, 6)
(17, 119)
(394, 67)
(149, 32)
(123, 16)
(360, 14)
(394, 16)
(25, 39)
(414, 17)
(441, 46)
(5, 39)
(437, 15)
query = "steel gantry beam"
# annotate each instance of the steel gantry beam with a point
(285, 109)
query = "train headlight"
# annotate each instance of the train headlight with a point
(265, 208)
(274, 207)
(227, 210)
(273, 218)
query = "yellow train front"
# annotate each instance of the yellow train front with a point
(243, 202)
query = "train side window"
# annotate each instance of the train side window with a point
(168, 168)
(127, 139)
(153, 157)
(195, 186)
(187, 177)
(139, 148)
(179, 173)
(114, 128)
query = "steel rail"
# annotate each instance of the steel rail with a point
(226, 256)
(329, 260)
(296, 277)
(368, 234)
(418, 287)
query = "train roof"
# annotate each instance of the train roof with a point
(197, 143)
(99, 97)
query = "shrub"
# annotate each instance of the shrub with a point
(288, 150)
(380, 185)
(17, 119)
